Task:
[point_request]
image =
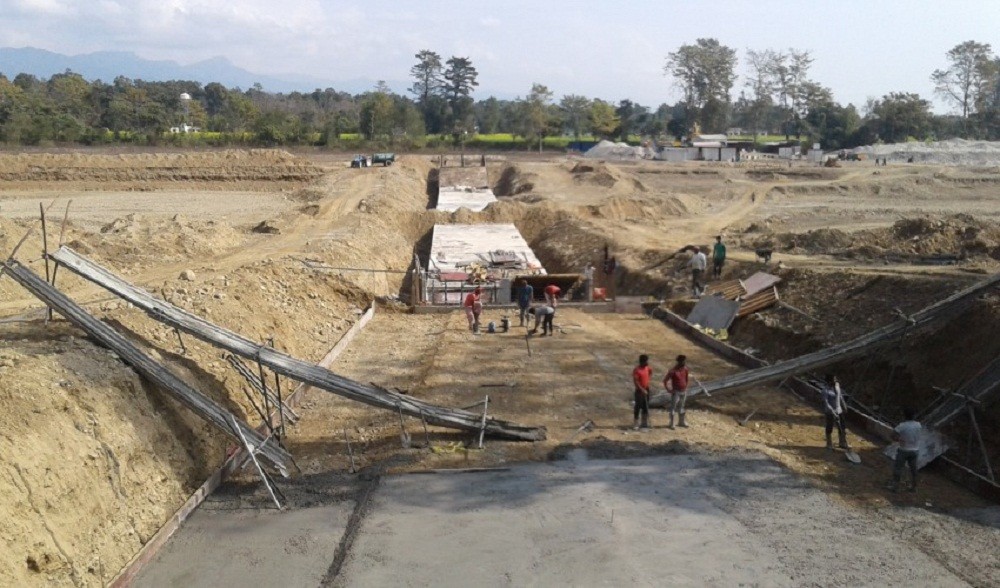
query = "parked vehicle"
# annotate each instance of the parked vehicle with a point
(385, 159)
(360, 161)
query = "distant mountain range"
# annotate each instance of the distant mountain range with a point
(108, 65)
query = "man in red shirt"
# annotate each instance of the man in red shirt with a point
(473, 307)
(552, 293)
(676, 383)
(641, 376)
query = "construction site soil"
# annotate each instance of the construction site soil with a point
(93, 459)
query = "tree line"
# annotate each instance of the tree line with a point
(777, 96)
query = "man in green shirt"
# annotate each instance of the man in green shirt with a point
(718, 257)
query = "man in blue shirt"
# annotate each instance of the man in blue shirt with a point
(525, 294)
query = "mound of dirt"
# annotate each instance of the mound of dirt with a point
(139, 170)
(135, 238)
(513, 181)
(956, 237)
(635, 210)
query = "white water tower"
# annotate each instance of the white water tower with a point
(186, 102)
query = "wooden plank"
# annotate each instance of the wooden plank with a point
(146, 366)
(237, 455)
(286, 365)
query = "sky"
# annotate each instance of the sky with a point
(600, 49)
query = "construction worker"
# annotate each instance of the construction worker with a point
(525, 294)
(834, 410)
(552, 293)
(543, 315)
(641, 376)
(473, 307)
(588, 283)
(907, 434)
(676, 384)
(697, 263)
(718, 256)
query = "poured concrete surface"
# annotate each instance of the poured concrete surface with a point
(674, 517)
(238, 538)
(673, 520)
(476, 200)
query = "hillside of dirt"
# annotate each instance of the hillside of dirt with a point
(93, 460)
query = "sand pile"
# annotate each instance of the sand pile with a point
(950, 152)
(611, 150)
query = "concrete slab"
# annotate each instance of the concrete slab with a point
(453, 198)
(456, 246)
(236, 538)
(673, 520)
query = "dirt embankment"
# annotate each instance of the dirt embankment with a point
(93, 460)
(956, 238)
(149, 171)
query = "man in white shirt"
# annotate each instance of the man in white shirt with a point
(907, 434)
(697, 263)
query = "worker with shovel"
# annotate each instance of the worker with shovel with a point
(835, 410)
(641, 376)
(676, 383)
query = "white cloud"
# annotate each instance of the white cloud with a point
(44, 7)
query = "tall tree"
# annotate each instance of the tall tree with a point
(793, 87)
(761, 81)
(899, 116)
(966, 82)
(427, 76)
(537, 120)
(460, 80)
(377, 112)
(488, 115)
(705, 72)
(428, 87)
(631, 117)
(575, 109)
(602, 118)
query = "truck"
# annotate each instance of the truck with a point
(385, 159)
